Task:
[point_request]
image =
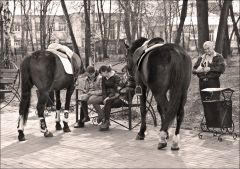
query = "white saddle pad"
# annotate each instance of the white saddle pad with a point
(65, 61)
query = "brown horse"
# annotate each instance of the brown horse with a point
(166, 71)
(45, 70)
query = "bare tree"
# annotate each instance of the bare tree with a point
(50, 20)
(43, 11)
(235, 29)
(103, 26)
(87, 32)
(126, 8)
(27, 23)
(1, 27)
(75, 47)
(182, 19)
(13, 16)
(118, 27)
(222, 26)
(202, 20)
(131, 18)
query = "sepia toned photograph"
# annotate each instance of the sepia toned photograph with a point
(119, 83)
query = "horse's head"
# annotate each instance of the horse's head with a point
(130, 54)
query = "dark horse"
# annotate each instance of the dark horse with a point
(166, 71)
(45, 70)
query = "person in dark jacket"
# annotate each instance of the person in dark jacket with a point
(209, 68)
(111, 84)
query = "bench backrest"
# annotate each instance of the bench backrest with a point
(8, 76)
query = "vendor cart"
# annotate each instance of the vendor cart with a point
(217, 106)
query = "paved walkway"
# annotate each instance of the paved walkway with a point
(117, 148)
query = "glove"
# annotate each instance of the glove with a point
(206, 69)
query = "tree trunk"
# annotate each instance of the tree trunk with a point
(226, 44)
(222, 26)
(87, 32)
(1, 28)
(202, 19)
(43, 24)
(75, 47)
(166, 20)
(235, 28)
(127, 12)
(22, 29)
(182, 19)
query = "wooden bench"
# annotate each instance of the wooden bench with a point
(127, 109)
(9, 84)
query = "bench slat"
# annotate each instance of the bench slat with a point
(8, 75)
(7, 80)
(5, 91)
(9, 70)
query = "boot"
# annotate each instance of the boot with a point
(79, 124)
(104, 126)
(85, 111)
(86, 119)
(100, 117)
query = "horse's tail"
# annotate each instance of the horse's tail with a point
(25, 89)
(177, 87)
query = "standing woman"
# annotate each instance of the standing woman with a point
(111, 83)
(209, 68)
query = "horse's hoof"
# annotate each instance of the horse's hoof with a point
(58, 126)
(66, 129)
(21, 138)
(138, 137)
(175, 148)
(161, 145)
(48, 134)
(86, 119)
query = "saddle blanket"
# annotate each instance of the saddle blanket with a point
(64, 59)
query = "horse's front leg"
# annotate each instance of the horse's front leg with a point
(143, 127)
(42, 100)
(69, 93)
(58, 107)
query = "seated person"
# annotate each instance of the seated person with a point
(91, 94)
(128, 85)
(111, 83)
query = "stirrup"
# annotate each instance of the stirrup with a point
(138, 90)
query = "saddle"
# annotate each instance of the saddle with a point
(66, 60)
(148, 46)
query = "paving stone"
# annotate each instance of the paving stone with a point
(117, 148)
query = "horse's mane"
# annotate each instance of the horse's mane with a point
(137, 43)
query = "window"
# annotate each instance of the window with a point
(62, 27)
(37, 26)
(16, 27)
(53, 27)
(211, 35)
(112, 31)
(16, 44)
(83, 42)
